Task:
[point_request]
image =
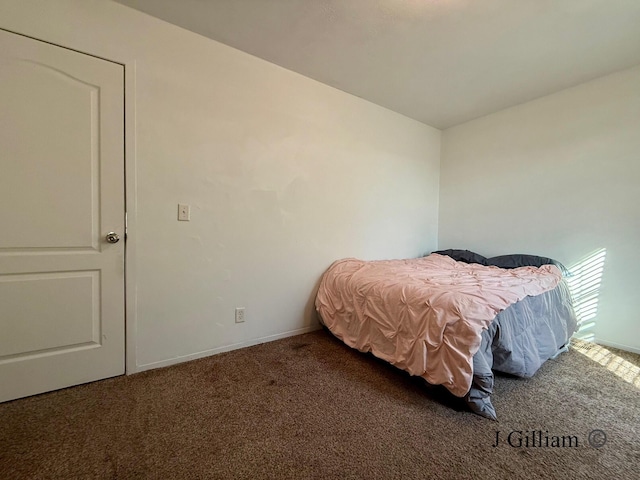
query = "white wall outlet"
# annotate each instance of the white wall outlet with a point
(240, 315)
(184, 212)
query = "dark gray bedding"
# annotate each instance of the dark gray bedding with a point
(519, 341)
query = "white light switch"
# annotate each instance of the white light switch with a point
(184, 213)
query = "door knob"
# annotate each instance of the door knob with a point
(112, 237)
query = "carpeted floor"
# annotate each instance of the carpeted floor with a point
(310, 407)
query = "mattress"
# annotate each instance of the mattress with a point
(439, 318)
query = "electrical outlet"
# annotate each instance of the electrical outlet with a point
(184, 212)
(240, 315)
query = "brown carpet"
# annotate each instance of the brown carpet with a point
(310, 407)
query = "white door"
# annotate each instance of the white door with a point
(61, 193)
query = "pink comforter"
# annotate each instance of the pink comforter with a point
(423, 315)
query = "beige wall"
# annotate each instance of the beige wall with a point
(283, 175)
(558, 177)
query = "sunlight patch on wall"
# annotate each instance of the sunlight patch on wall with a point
(584, 283)
(624, 369)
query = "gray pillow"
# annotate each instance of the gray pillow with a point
(524, 260)
(465, 256)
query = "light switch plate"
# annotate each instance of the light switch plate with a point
(184, 213)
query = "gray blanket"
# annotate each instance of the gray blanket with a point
(519, 341)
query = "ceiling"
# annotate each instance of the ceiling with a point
(442, 62)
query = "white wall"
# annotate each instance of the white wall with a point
(283, 174)
(559, 177)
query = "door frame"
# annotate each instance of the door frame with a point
(130, 194)
(131, 223)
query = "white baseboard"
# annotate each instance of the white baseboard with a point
(617, 345)
(225, 348)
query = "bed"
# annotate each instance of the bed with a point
(452, 317)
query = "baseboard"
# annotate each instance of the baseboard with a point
(617, 345)
(226, 348)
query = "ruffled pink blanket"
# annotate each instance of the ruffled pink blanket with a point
(423, 315)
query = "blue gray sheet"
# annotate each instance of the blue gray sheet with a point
(519, 341)
(522, 337)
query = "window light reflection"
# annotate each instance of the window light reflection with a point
(624, 369)
(584, 283)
